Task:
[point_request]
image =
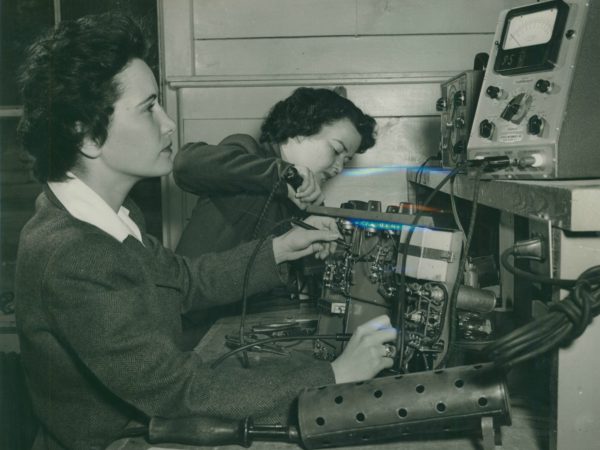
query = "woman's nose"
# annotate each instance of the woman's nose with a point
(338, 164)
(167, 124)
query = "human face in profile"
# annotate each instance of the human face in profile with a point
(326, 152)
(138, 143)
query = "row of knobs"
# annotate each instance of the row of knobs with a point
(535, 126)
(541, 85)
(515, 110)
(459, 99)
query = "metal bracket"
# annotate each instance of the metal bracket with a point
(491, 438)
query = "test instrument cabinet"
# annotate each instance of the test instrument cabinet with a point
(538, 103)
(457, 108)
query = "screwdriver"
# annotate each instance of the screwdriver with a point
(301, 224)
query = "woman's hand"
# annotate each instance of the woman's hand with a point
(309, 192)
(366, 354)
(299, 242)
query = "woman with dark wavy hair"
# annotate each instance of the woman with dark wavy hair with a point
(98, 301)
(317, 131)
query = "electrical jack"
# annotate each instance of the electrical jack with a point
(542, 231)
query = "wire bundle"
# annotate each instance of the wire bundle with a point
(249, 266)
(398, 316)
(565, 321)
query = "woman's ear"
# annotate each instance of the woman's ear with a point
(88, 148)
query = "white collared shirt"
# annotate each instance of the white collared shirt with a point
(85, 204)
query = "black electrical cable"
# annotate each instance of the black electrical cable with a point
(419, 174)
(454, 209)
(261, 216)
(421, 169)
(243, 348)
(461, 267)
(245, 284)
(399, 314)
(274, 190)
(565, 321)
(506, 254)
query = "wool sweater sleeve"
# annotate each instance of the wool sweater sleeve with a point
(120, 321)
(217, 278)
(234, 166)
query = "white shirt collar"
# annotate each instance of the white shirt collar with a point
(85, 204)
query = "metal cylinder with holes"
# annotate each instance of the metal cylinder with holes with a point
(396, 407)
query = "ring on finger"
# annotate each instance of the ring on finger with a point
(389, 351)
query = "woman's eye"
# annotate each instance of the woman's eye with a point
(150, 107)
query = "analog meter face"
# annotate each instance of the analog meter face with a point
(531, 37)
(530, 29)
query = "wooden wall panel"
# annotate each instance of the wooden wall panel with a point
(230, 102)
(227, 19)
(339, 55)
(212, 131)
(401, 141)
(408, 99)
(224, 19)
(431, 16)
(176, 37)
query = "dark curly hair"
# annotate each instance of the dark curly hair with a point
(68, 88)
(306, 111)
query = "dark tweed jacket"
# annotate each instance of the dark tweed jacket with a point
(100, 328)
(233, 181)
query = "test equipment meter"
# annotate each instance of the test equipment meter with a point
(538, 101)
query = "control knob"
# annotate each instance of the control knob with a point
(441, 104)
(543, 86)
(535, 125)
(460, 98)
(516, 108)
(459, 148)
(494, 92)
(486, 129)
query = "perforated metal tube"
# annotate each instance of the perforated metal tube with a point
(393, 407)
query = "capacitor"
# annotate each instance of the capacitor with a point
(475, 300)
